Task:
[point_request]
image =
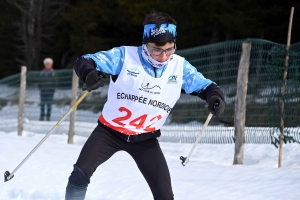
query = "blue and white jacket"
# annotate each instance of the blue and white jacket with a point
(111, 62)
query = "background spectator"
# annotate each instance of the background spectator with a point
(47, 88)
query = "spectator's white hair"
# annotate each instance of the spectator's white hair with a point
(48, 60)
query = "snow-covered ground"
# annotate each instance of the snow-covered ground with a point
(209, 175)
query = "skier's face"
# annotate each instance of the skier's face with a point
(161, 53)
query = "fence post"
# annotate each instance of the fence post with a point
(285, 72)
(240, 104)
(74, 97)
(22, 99)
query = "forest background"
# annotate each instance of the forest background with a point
(31, 30)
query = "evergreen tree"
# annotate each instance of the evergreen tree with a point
(86, 26)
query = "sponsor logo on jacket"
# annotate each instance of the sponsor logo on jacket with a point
(152, 89)
(133, 72)
(172, 79)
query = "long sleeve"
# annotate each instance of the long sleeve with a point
(194, 83)
(110, 62)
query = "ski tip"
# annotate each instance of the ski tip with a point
(7, 176)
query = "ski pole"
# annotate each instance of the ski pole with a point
(7, 175)
(185, 160)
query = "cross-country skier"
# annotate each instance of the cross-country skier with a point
(133, 115)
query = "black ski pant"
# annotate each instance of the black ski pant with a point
(104, 142)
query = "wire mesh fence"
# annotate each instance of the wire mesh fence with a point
(218, 62)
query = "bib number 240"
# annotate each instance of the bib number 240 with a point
(137, 122)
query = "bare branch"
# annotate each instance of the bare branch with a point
(32, 26)
(22, 9)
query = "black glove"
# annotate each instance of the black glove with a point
(94, 80)
(216, 105)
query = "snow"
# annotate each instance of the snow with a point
(209, 175)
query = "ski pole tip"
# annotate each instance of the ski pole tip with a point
(184, 160)
(7, 176)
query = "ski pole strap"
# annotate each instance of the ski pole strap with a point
(216, 106)
(225, 122)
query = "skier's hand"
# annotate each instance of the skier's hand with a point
(94, 80)
(216, 105)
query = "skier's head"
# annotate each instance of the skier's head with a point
(159, 28)
(160, 35)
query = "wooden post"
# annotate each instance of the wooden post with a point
(240, 104)
(22, 99)
(283, 91)
(74, 97)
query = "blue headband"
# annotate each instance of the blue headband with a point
(166, 32)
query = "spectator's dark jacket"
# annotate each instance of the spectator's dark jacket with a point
(48, 81)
